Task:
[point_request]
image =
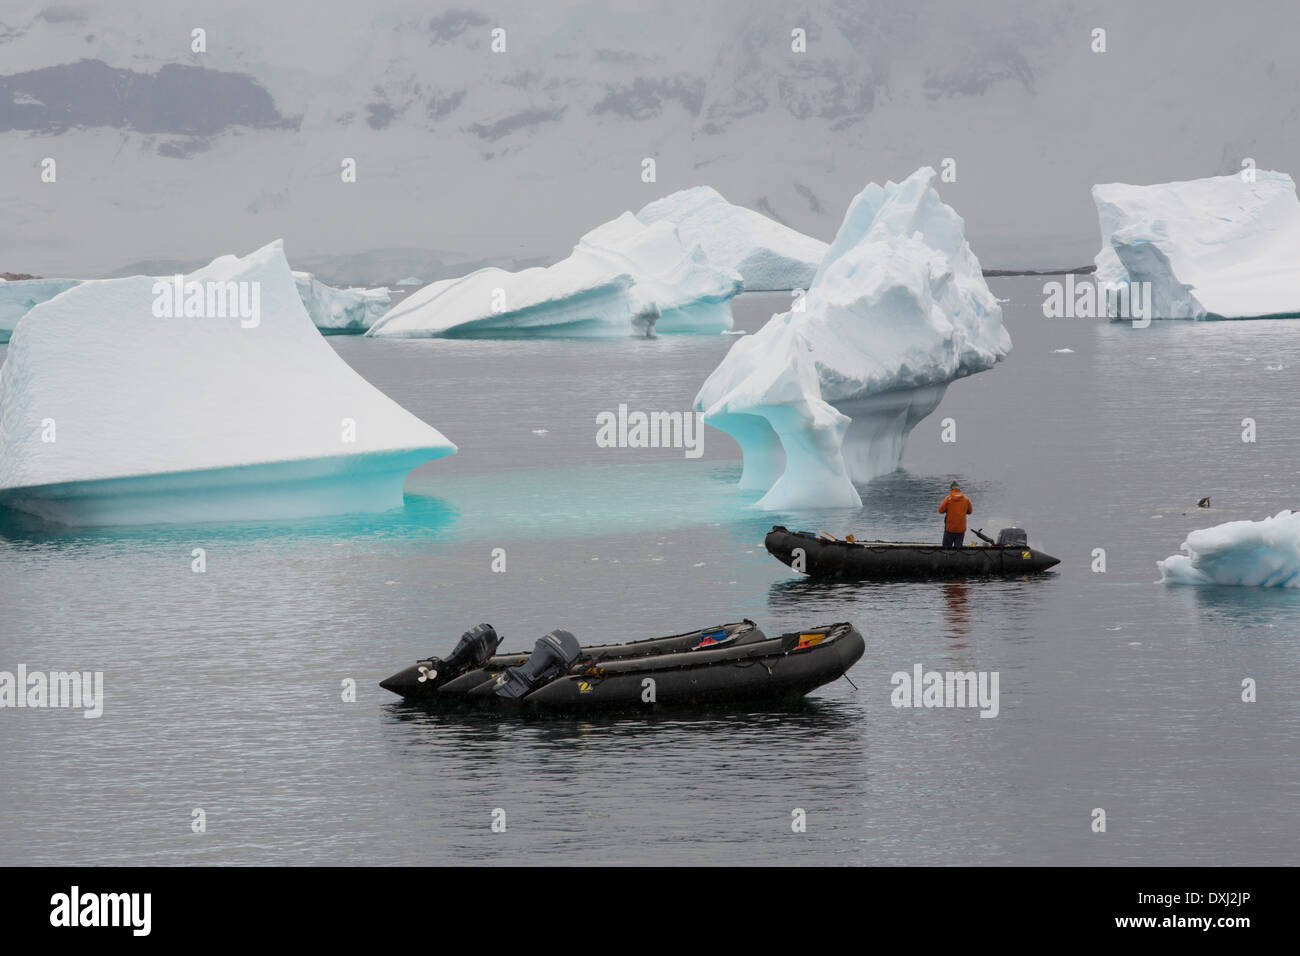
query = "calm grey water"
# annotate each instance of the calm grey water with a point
(223, 689)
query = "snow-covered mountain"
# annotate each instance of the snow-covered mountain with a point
(165, 154)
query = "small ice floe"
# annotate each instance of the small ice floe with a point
(541, 431)
(1263, 554)
(1275, 368)
(1062, 351)
(1134, 643)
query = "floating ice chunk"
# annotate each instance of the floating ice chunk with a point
(340, 310)
(110, 414)
(1211, 248)
(19, 296)
(768, 255)
(622, 278)
(824, 397)
(1261, 554)
(411, 280)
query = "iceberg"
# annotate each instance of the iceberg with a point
(769, 256)
(673, 282)
(117, 407)
(1216, 248)
(331, 309)
(340, 310)
(1259, 554)
(19, 296)
(622, 278)
(825, 395)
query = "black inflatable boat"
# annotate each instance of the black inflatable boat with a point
(724, 664)
(820, 555)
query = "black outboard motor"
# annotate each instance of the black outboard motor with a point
(552, 656)
(474, 649)
(1013, 538)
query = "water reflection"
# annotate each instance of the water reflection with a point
(956, 603)
(481, 732)
(1244, 606)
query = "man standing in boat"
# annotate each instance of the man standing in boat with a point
(955, 508)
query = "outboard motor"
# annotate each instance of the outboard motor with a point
(474, 649)
(1013, 538)
(552, 656)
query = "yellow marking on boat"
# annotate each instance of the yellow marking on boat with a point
(808, 640)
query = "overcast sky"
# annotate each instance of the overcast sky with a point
(163, 154)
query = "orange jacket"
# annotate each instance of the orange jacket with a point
(955, 508)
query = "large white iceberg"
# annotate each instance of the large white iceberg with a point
(768, 255)
(824, 397)
(118, 406)
(340, 310)
(19, 296)
(622, 278)
(1261, 554)
(1211, 248)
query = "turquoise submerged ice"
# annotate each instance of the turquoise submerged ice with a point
(113, 414)
(1261, 554)
(826, 394)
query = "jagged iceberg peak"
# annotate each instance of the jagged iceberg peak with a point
(1263, 554)
(622, 278)
(1222, 247)
(144, 400)
(826, 395)
(769, 255)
